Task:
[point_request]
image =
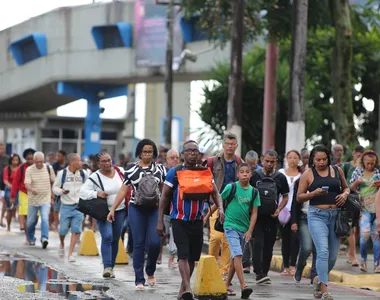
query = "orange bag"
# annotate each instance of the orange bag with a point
(195, 184)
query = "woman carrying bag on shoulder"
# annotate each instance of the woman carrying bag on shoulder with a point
(105, 183)
(146, 178)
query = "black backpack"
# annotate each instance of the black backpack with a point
(268, 193)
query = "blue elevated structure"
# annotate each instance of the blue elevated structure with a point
(116, 35)
(93, 93)
(28, 48)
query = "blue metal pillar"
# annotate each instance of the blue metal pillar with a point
(93, 122)
(92, 127)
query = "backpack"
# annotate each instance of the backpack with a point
(147, 193)
(210, 162)
(195, 184)
(268, 193)
(346, 168)
(219, 226)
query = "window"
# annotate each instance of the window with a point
(50, 133)
(69, 134)
(109, 135)
(112, 38)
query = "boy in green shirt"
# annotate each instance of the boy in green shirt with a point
(240, 220)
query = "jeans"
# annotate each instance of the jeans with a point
(143, 224)
(322, 229)
(290, 245)
(306, 248)
(169, 235)
(110, 233)
(32, 221)
(367, 231)
(264, 238)
(127, 229)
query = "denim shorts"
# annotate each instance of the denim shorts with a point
(235, 241)
(70, 217)
(7, 198)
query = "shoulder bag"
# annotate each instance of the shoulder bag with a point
(96, 208)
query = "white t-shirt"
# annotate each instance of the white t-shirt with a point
(291, 180)
(111, 186)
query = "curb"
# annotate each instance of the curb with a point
(366, 281)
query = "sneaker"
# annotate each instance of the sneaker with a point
(45, 242)
(247, 270)
(113, 273)
(72, 258)
(260, 279)
(107, 272)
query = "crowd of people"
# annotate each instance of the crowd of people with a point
(168, 198)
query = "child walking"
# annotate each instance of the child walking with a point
(241, 201)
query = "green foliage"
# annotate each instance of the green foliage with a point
(319, 117)
(261, 17)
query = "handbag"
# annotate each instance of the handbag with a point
(218, 225)
(96, 208)
(352, 203)
(343, 223)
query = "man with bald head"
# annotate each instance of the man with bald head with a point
(67, 186)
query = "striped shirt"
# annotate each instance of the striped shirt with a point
(134, 173)
(41, 182)
(182, 209)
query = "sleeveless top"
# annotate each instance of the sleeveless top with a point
(334, 188)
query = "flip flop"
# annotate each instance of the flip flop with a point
(231, 292)
(246, 292)
(187, 296)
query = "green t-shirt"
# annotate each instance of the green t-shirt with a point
(237, 214)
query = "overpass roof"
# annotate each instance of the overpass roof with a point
(63, 45)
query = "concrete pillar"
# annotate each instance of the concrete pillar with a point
(128, 135)
(92, 126)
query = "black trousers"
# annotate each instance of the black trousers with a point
(264, 238)
(290, 245)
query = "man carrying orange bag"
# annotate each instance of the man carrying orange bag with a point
(187, 187)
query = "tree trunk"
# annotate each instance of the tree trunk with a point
(169, 77)
(295, 126)
(270, 97)
(341, 64)
(234, 107)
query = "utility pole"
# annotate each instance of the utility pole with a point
(169, 75)
(270, 97)
(234, 106)
(295, 125)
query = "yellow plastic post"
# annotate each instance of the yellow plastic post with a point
(122, 257)
(88, 245)
(208, 280)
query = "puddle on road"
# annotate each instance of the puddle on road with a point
(46, 279)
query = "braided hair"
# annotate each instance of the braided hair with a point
(319, 148)
(100, 154)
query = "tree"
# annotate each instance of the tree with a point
(341, 73)
(320, 116)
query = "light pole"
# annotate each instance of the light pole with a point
(169, 76)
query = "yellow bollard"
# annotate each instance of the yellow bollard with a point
(209, 283)
(88, 245)
(122, 257)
